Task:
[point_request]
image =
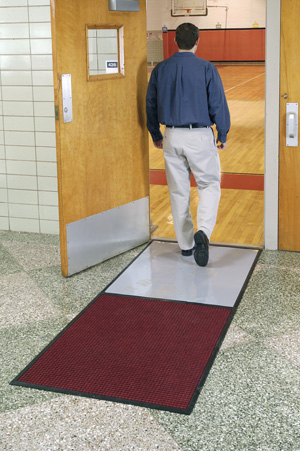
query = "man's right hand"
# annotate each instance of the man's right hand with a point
(221, 145)
(159, 144)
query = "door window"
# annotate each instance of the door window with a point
(105, 50)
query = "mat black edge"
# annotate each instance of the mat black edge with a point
(247, 279)
(177, 301)
(237, 246)
(221, 337)
(102, 398)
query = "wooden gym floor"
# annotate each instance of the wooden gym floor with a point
(240, 216)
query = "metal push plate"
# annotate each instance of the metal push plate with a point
(292, 124)
(67, 97)
(124, 5)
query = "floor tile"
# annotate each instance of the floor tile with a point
(19, 346)
(235, 336)
(71, 423)
(280, 259)
(249, 402)
(21, 301)
(8, 265)
(270, 305)
(287, 345)
(69, 295)
(32, 256)
(24, 237)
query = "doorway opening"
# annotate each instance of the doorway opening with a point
(241, 210)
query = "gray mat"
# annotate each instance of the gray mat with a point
(162, 272)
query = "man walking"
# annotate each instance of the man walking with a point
(186, 94)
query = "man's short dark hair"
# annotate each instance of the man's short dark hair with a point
(187, 35)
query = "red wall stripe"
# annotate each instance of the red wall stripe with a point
(228, 181)
(224, 45)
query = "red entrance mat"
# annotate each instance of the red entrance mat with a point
(146, 352)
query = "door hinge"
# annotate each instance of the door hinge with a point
(56, 113)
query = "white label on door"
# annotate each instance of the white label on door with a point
(111, 67)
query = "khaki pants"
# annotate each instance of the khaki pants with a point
(193, 150)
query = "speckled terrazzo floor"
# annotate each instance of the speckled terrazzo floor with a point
(250, 400)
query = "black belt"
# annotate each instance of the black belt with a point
(186, 126)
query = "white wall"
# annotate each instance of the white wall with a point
(28, 180)
(240, 14)
(154, 9)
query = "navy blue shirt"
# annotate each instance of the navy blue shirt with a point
(183, 90)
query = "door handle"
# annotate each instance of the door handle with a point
(292, 124)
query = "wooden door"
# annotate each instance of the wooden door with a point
(289, 160)
(102, 154)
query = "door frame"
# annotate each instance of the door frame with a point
(272, 97)
(272, 93)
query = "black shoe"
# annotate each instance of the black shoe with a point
(187, 252)
(201, 250)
